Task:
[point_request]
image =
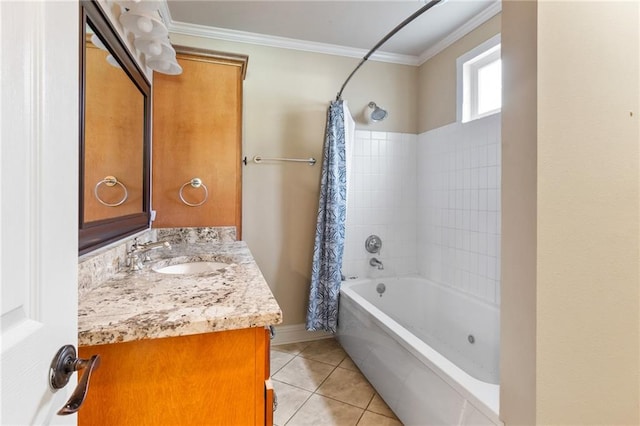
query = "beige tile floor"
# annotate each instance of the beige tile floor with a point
(317, 384)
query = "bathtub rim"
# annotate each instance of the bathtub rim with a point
(484, 396)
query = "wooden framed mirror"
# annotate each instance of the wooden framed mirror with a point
(115, 131)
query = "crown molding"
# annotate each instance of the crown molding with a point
(214, 33)
(285, 43)
(492, 10)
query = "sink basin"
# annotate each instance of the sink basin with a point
(191, 268)
(192, 264)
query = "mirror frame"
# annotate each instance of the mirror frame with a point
(92, 235)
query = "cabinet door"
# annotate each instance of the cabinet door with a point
(205, 379)
(262, 375)
(197, 125)
(269, 398)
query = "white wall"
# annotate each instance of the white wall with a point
(459, 207)
(588, 192)
(286, 95)
(570, 341)
(382, 201)
(518, 352)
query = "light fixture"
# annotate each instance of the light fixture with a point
(153, 46)
(97, 42)
(100, 45)
(142, 23)
(164, 65)
(160, 55)
(113, 61)
(151, 37)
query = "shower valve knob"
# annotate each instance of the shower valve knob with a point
(373, 244)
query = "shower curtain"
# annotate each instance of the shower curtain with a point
(322, 312)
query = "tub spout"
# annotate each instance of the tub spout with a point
(377, 263)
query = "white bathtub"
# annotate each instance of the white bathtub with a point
(413, 343)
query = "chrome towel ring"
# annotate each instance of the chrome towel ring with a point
(195, 183)
(111, 181)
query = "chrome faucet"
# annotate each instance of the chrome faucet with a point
(376, 262)
(139, 253)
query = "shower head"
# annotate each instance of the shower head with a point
(375, 113)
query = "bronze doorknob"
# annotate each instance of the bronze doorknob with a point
(64, 364)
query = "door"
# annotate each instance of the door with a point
(39, 204)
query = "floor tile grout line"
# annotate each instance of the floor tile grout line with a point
(383, 415)
(322, 362)
(275, 348)
(312, 393)
(272, 373)
(317, 387)
(315, 392)
(297, 387)
(375, 392)
(325, 379)
(294, 386)
(335, 399)
(344, 402)
(364, 410)
(299, 408)
(372, 397)
(361, 416)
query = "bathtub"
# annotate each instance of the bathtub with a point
(431, 352)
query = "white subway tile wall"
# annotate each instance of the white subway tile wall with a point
(434, 199)
(458, 192)
(382, 201)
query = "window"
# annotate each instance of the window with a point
(480, 81)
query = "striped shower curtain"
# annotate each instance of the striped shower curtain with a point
(322, 312)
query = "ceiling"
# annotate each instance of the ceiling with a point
(348, 24)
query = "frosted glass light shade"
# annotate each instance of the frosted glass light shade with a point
(165, 66)
(113, 61)
(100, 45)
(97, 42)
(143, 24)
(154, 46)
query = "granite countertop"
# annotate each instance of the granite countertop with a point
(148, 305)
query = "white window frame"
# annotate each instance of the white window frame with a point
(467, 67)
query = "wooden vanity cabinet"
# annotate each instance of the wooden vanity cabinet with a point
(219, 378)
(197, 133)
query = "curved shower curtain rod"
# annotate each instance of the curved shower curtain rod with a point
(387, 37)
